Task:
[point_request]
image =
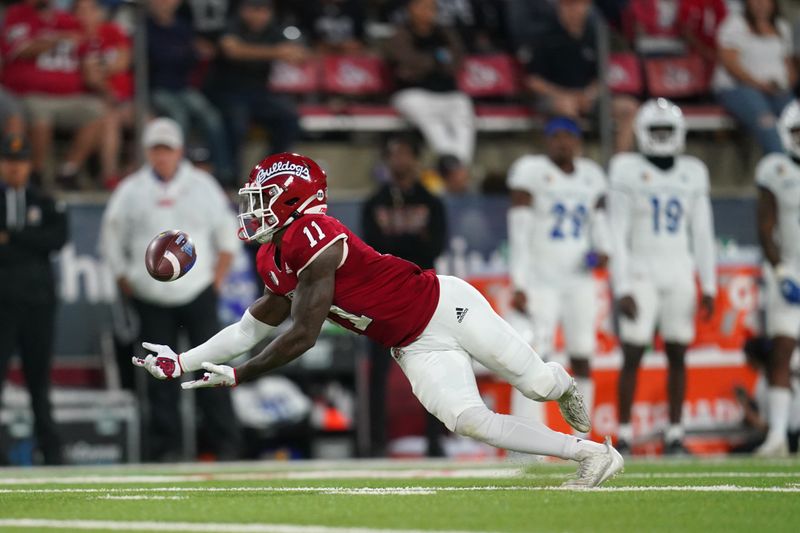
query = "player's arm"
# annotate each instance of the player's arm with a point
(257, 323)
(600, 237)
(520, 224)
(767, 221)
(619, 220)
(311, 304)
(702, 229)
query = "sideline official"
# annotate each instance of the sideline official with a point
(170, 193)
(32, 227)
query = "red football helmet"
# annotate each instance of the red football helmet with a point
(281, 188)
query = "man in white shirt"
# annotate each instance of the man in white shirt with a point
(169, 193)
(662, 231)
(778, 180)
(557, 235)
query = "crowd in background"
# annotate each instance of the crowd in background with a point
(67, 69)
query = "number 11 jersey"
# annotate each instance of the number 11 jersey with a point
(388, 299)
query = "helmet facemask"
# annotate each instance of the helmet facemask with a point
(257, 221)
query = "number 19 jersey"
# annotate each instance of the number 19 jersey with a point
(388, 299)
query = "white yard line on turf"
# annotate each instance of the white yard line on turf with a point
(140, 497)
(409, 491)
(257, 476)
(367, 474)
(113, 525)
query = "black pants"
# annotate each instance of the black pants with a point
(218, 425)
(28, 329)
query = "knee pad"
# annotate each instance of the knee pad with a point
(475, 423)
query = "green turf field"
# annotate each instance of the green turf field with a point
(366, 497)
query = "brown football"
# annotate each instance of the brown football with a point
(170, 255)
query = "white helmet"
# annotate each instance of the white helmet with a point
(789, 128)
(660, 128)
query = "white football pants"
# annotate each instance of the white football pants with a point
(439, 366)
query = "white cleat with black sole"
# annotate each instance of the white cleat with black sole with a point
(573, 409)
(596, 467)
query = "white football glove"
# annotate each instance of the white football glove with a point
(163, 365)
(217, 376)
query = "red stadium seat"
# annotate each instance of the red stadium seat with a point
(354, 75)
(676, 77)
(488, 75)
(294, 79)
(625, 74)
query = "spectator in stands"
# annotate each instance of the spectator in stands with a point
(527, 21)
(41, 65)
(563, 71)
(425, 58)
(756, 73)
(403, 219)
(32, 227)
(335, 26)
(106, 52)
(454, 175)
(172, 56)
(698, 22)
(169, 192)
(248, 47)
(11, 115)
(208, 19)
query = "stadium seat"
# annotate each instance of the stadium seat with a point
(676, 77)
(295, 79)
(354, 75)
(625, 74)
(492, 75)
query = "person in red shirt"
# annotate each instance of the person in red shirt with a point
(41, 64)
(315, 268)
(106, 54)
(698, 21)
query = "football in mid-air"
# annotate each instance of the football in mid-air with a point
(170, 255)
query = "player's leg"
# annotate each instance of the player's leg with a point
(220, 428)
(444, 383)
(8, 344)
(36, 353)
(163, 435)
(676, 323)
(578, 319)
(783, 324)
(634, 336)
(491, 341)
(544, 309)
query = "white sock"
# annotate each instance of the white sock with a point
(778, 400)
(563, 381)
(586, 388)
(674, 432)
(625, 432)
(521, 435)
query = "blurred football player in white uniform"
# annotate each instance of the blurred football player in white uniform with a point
(778, 179)
(662, 230)
(557, 233)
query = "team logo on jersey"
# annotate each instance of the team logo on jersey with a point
(282, 168)
(461, 312)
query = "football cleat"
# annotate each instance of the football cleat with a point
(596, 467)
(676, 448)
(773, 448)
(573, 409)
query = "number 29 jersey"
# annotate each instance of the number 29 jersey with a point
(388, 299)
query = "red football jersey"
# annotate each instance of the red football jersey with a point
(110, 41)
(388, 299)
(56, 71)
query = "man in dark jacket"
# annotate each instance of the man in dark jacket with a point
(32, 226)
(405, 220)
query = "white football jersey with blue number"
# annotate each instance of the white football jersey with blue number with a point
(660, 221)
(563, 207)
(781, 176)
